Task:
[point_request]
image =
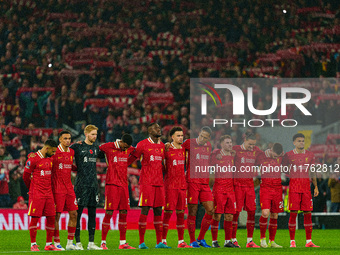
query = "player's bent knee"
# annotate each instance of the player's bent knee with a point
(145, 210)
(121, 212)
(157, 211)
(192, 209)
(228, 217)
(109, 212)
(265, 213)
(217, 216)
(73, 214)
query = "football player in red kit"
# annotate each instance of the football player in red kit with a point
(198, 185)
(151, 182)
(116, 187)
(223, 191)
(37, 177)
(300, 197)
(63, 192)
(244, 186)
(175, 185)
(270, 192)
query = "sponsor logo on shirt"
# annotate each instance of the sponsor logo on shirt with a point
(43, 173)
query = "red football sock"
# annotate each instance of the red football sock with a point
(272, 229)
(71, 231)
(263, 226)
(191, 222)
(180, 226)
(228, 229)
(142, 227)
(50, 226)
(235, 222)
(214, 229)
(122, 224)
(308, 224)
(106, 225)
(292, 225)
(158, 223)
(33, 229)
(250, 224)
(206, 222)
(56, 236)
(166, 219)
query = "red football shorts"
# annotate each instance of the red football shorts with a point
(65, 202)
(116, 197)
(245, 199)
(151, 196)
(271, 199)
(300, 201)
(225, 202)
(199, 192)
(41, 207)
(175, 199)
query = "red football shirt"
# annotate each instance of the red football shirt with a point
(223, 176)
(175, 173)
(299, 172)
(198, 161)
(152, 158)
(244, 160)
(61, 171)
(116, 160)
(270, 170)
(40, 170)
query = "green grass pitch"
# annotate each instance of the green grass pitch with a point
(16, 242)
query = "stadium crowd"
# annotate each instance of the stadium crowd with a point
(119, 68)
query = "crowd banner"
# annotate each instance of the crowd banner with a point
(21, 90)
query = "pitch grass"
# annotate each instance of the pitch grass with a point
(16, 242)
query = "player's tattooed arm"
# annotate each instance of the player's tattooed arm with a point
(167, 146)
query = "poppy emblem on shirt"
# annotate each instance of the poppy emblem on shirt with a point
(157, 150)
(91, 151)
(180, 154)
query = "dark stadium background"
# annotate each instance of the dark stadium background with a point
(122, 64)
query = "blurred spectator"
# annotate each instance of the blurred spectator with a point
(20, 204)
(3, 153)
(319, 202)
(133, 190)
(334, 185)
(136, 136)
(5, 200)
(14, 185)
(34, 112)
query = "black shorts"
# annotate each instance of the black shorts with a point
(87, 196)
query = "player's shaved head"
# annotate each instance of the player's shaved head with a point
(206, 129)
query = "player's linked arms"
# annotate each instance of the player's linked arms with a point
(31, 155)
(167, 146)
